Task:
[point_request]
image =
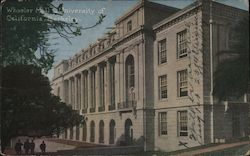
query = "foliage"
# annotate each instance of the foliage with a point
(26, 28)
(28, 107)
(232, 73)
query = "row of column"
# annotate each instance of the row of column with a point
(92, 88)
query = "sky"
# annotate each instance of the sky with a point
(113, 9)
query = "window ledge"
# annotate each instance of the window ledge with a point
(163, 136)
(183, 137)
(183, 58)
(163, 100)
(182, 98)
(162, 64)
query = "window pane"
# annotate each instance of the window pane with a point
(183, 123)
(182, 83)
(129, 26)
(182, 44)
(162, 54)
(163, 87)
(163, 123)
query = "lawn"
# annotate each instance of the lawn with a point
(235, 151)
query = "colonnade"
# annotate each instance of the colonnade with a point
(92, 89)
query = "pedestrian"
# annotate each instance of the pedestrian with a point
(43, 147)
(18, 147)
(26, 146)
(32, 147)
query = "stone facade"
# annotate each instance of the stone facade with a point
(148, 82)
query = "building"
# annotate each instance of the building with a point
(149, 81)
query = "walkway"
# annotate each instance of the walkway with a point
(212, 149)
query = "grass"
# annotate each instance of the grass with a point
(235, 151)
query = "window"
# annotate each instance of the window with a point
(77, 132)
(84, 131)
(130, 77)
(129, 26)
(182, 123)
(163, 87)
(236, 123)
(66, 134)
(182, 44)
(101, 132)
(163, 123)
(182, 83)
(112, 132)
(71, 132)
(162, 51)
(92, 131)
(58, 91)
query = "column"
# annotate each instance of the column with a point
(72, 93)
(117, 78)
(82, 91)
(108, 91)
(90, 104)
(75, 93)
(94, 88)
(86, 89)
(69, 92)
(78, 91)
(122, 75)
(98, 88)
(136, 61)
(63, 90)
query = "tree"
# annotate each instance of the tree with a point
(26, 50)
(29, 108)
(232, 74)
(26, 26)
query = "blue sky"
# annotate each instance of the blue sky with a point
(113, 9)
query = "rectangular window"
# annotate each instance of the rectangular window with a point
(131, 75)
(163, 123)
(182, 44)
(182, 83)
(183, 123)
(163, 87)
(162, 51)
(129, 26)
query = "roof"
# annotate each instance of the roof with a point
(179, 13)
(144, 3)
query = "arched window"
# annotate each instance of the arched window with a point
(101, 132)
(112, 132)
(92, 131)
(58, 91)
(128, 132)
(84, 131)
(130, 77)
(77, 132)
(71, 133)
(66, 134)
